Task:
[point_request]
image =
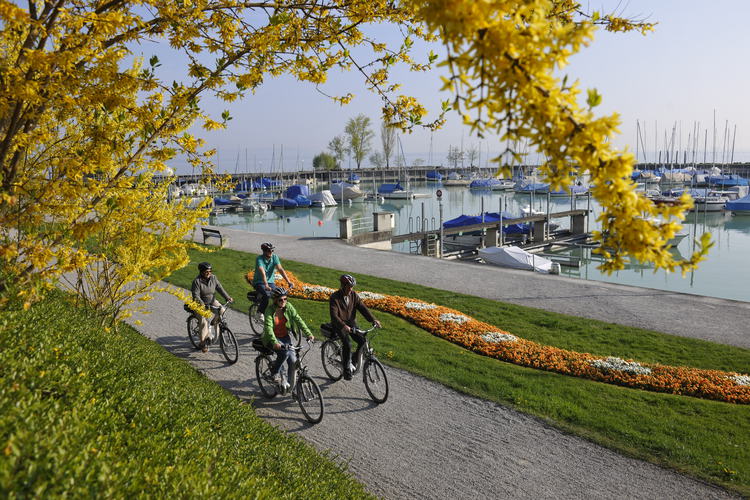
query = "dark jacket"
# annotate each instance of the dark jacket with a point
(343, 313)
(205, 290)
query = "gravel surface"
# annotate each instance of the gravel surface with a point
(428, 441)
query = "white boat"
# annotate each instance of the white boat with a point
(710, 203)
(323, 199)
(395, 192)
(515, 258)
(346, 191)
(503, 185)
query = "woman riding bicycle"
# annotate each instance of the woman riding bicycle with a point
(265, 274)
(344, 304)
(204, 289)
(280, 318)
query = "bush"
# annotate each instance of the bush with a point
(86, 413)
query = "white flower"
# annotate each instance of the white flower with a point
(419, 305)
(455, 318)
(499, 337)
(613, 363)
(316, 288)
(740, 379)
(371, 295)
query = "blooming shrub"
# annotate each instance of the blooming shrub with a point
(483, 338)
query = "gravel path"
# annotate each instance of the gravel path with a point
(428, 441)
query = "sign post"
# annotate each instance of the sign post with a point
(439, 194)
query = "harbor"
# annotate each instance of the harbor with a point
(416, 224)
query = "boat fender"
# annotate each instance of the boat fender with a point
(555, 268)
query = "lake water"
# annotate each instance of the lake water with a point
(724, 274)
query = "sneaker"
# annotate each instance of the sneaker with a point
(204, 347)
(284, 387)
(347, 375)
(276, 379)
(352, 368)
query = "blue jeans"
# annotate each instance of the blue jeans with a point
(265, 295)
(288, 355)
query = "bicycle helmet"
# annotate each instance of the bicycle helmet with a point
(204, 266)
(279, 292)
(267, 246)
(348, 279)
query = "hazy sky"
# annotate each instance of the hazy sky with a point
(692, 65)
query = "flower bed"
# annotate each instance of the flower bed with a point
(485, 339)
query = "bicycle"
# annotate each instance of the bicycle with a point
(305, 391)
(217, 329)
(373, 372)
(255, 317)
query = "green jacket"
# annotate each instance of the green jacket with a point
(293, 322)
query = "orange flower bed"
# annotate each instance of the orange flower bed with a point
(488, 340)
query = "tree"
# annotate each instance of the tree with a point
(324, 161)
(388, 140)
(88, 125)
(377, 159)
(455, 156)
(338, 149)
(472, 153)
(358, 136)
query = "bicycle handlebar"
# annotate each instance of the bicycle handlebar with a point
(365, 332)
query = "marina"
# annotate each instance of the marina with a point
(416, 229)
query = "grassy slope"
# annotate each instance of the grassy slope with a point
(85, 413)
(707, 439)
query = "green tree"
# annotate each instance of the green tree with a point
(324, 161)
(359, 135)
(338, 149)
(388, 140)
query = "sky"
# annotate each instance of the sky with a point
(691, 69)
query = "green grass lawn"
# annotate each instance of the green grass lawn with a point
(92, 414)
(707, 439)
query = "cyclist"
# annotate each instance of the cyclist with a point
(204, 289)
(280, 318)
(344, 304)
(264, 274)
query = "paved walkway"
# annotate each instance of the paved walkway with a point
(717, 320)
(428, 441)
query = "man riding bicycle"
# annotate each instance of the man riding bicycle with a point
(280, 318)
(344, 304)
(204, 289)
(264, 274)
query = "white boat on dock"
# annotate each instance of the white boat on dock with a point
(515, 258)
(345, 191)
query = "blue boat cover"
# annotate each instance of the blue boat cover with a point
(222, 201)
(389, 188)
(739, 205)
(284, 203)
(302, 200)
(269, 183)
(353, 177)
(434, 175)
(468, 220)
(536, 187)
(484, 183)
(297, 189)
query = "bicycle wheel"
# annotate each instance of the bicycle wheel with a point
(263, 373)
(253, 316)
(194, 330)
(228, 344)
(310, 399)
(330, 354)
(376, 381)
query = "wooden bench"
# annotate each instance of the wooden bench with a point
(212, 233)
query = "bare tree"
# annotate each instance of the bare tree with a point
(455, 155)
(377, 159)
(359, 136)
(472, 153)
(388, 139)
